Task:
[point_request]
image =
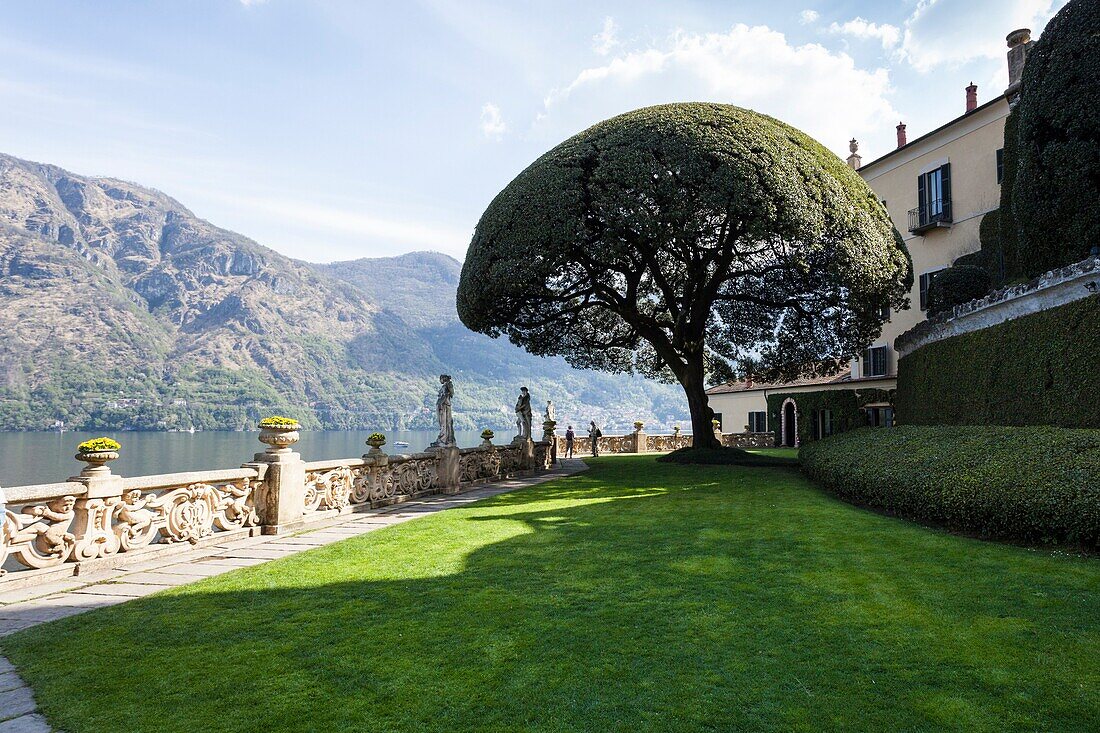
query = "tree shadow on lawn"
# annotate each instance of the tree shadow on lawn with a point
(643, 598)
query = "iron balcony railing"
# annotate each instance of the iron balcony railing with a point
(935, 213)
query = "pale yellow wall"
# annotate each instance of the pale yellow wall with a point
(735, 406)
(970, 145)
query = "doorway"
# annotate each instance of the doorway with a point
(790, 424)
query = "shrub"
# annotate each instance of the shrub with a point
(725, 457)
(957, 285)
(1039, 369)
(487, 434)
(1056, 199)
(278, 421)
(379, 438)
(98, 444)
(1037, 485)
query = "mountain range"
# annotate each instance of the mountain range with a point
(121, 309)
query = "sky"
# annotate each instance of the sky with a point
(337, 130)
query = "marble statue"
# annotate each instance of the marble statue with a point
(523, 415)
(549, 414)
(443, 413)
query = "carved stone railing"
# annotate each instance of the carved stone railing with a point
(631, 442)
(47, 525)
(91, 522)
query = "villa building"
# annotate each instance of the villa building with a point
(936, 188)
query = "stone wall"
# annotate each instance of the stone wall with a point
(1052, 289)
(630, 443)
(98, 519)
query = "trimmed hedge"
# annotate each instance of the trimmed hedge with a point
(1035, 485)
(845, 404)
(957, 285)
(1041, 369)
(1056, 197)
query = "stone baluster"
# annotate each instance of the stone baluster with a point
(280, 500)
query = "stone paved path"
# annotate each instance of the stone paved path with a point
(28, 607)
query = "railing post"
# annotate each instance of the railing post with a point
(549, 436)
(448, 469)
(91, 526)
(280, 500)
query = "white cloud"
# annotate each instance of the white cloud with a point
(857, 27)
(492, 124)
(808, 16)
(808, 86)
(943, 32)
(338, 220)
(607, 39)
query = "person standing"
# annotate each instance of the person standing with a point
(570, 436)
(595, 434)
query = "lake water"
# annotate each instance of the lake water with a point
(42, 458)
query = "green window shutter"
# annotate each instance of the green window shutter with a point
(945, 188)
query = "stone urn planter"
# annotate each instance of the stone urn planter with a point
(487, 438)
(279, 434)
(376, 441)
(97, 453)
(638, 425)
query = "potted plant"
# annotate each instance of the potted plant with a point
(675, 431)
(376, 441)
(487, 436)
(279, 432)
(96, 452)
(638, 425)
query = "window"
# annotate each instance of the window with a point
(826, 423)
(758, 422)
(925, 281)
(884, 313)
(1000, 165)
(933, 200)
(880, 417)
(875, 361)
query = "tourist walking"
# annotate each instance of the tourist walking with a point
(595, 434)
(570, 436)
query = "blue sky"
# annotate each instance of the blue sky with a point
(337, 130)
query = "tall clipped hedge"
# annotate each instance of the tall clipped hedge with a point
(1056, 196)
(1041, 369)
(956, 285)
(1039, 485)
(845, 404)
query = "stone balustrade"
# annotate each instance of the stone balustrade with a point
(640, 442)
(98, 520)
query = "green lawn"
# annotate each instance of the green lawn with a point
(637, 596)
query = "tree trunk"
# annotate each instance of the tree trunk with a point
(701, 415)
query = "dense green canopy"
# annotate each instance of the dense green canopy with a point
(1056, 198)
(681, 241)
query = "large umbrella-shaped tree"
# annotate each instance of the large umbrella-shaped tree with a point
(683, 241)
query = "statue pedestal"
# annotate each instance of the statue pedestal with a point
(448, 469)
(639, 442)
(526, 453)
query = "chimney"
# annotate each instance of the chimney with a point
(1019, 43)
(971, 97)
(748, 381)
(901, 134)
(854, 159)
